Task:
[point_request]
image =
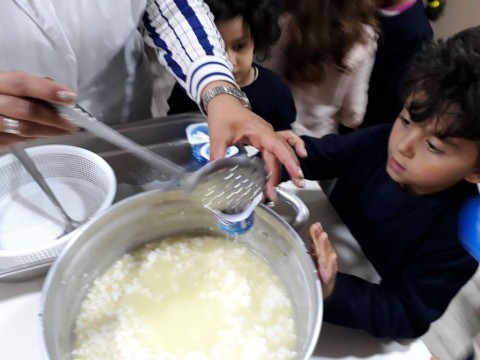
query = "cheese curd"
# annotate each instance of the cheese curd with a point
(187, 298)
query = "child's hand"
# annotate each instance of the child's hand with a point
(294, 141)
(325, 258)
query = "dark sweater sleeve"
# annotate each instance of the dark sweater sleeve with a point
(332, 155)
(405, 304)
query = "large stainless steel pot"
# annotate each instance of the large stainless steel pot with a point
(154, 215)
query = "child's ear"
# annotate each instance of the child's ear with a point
(473, 177)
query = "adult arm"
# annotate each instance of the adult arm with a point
(190, 46)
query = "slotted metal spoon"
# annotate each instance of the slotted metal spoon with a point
(230, 187)
(29, 165)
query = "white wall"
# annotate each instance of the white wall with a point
(458, 15)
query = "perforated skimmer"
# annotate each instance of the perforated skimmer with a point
(230, 187)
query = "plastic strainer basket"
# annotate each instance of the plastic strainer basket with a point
(30, 225)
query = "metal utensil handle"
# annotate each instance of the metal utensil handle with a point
(81, 118)
(12, 272)
(32, 169)
(302, 214)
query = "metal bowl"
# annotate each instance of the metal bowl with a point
(155, 215)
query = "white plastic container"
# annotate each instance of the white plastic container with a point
(199, 139)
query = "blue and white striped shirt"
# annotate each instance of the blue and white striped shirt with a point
(188, 43)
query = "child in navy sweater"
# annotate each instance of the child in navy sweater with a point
(399, 190)
(248, 28)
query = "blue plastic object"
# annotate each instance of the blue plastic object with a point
(197, 136)
(235, 227)
(469, 227)
(205, 153)
(199, 139)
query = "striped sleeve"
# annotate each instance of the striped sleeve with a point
(187, 43)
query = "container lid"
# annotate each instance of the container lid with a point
(197, 133)
(205, 151)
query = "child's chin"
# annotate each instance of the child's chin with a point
(395, 177)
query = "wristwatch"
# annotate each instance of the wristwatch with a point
(211, 93)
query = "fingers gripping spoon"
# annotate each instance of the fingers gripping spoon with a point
(230, 187)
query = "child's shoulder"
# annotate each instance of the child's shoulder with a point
(265, 74)
(269, 82)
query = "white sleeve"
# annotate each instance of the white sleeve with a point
(187, 43)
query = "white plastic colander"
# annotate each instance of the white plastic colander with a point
(30, 225)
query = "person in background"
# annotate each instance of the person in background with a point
(68, 52)
(404, 29)
(400, 190)
(326, 53)
(434, 8)
(249, 28)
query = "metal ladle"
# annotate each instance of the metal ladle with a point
(29, 165)
(231, 186)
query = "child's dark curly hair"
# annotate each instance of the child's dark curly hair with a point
(446, 76)
(260, 15)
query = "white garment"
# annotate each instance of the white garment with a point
(95, 47)
(340, 99)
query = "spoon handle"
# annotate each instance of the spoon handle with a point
(79, 117)
(32, 169)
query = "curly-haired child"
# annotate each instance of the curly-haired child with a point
(400, 189)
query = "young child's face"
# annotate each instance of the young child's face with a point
(240, 47)
(423, 163)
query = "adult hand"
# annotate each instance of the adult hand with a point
(231, 123)
(24, 113)
(324, 257)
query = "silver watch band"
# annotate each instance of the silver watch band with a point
(211, 93)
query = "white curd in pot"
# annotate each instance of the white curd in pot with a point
(187, 298)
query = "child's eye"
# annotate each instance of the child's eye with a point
(431, 147)
(239, 47)
(405, 121)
